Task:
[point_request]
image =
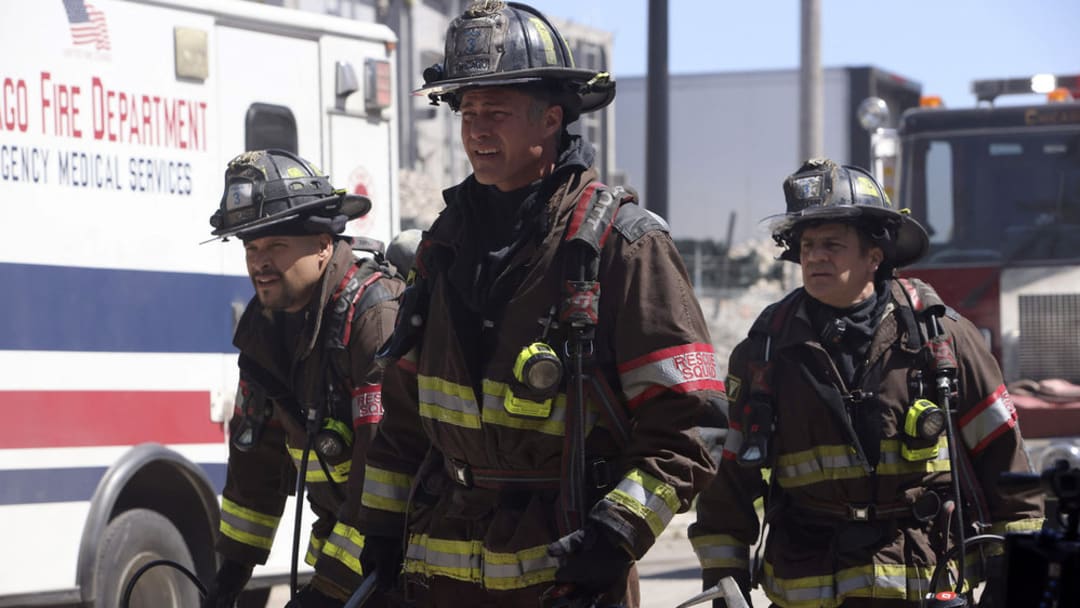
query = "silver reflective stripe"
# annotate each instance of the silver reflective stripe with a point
(247, 526)
(819, 464)
(454, 403)
(897, 583)
(720, 551)
(385, 490)
(447, 402)
(421, 557)
(647, 497)
(684, 368)
(993, 416)
(469, 561)
(517, 569)
(344, 542)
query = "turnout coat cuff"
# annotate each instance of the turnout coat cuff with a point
(240, 552)
(631, 533)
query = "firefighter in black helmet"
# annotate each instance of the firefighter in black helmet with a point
(551, 359)
(841, 389)
(309, 395)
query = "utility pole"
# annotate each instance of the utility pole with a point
(811, 88)
(656, 111)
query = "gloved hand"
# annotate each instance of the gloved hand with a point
(382, 555)
(590, 560)
(227, 584)
(310, 597)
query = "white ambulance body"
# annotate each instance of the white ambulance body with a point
(116, 365)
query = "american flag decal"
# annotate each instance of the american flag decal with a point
(87, 24)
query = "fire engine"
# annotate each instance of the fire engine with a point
(998, 189)
(116, 121)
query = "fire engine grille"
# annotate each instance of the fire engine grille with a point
(1050, 336)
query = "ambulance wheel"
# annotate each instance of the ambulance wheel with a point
(133, 539)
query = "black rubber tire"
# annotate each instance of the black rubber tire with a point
(132, 540)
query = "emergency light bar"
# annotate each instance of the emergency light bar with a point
(988, 90)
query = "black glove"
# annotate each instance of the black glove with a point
(310, 597)
(590, 560)
(382, 556)
(227, 585)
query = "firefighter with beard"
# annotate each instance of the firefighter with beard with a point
(550, 360)
(309, 396)
(834, 390)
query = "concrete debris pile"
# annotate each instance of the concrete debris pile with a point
(421, 199)
(731, 312)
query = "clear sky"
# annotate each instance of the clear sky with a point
(942, 44)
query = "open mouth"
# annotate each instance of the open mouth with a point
(266, 279)
(485, 152)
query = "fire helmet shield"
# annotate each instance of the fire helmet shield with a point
(496, 43)
(824, 191)
(275, 191)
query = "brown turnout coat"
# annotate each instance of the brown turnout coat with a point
(817, 553)
(286, 375)
(651, 348)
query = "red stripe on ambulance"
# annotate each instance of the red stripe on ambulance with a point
(40, 419)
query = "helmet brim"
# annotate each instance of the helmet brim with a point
(912, 241)
(350, 205)
(592, 99)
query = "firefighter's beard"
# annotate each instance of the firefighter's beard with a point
(279, 293)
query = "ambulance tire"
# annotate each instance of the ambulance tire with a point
(133, 539)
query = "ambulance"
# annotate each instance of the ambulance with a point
(117, 371)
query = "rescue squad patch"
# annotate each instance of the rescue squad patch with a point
(733, 386)
(367, 405)
(695, 365)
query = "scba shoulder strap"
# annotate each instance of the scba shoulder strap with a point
(928, 308)
(360, 290)
(598, 211)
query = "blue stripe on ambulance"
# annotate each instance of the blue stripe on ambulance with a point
(108, 310)
(29, 486)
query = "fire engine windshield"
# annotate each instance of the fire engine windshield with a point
(995, 197)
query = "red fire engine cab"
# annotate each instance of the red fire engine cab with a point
(998, 189)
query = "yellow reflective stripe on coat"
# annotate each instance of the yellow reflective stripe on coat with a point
(835, 462)
(721, 551)
(495, 395)
(893, 462)
(647, 497)
(495, 412)
(386, 490)
(877, 581)
(315, 474)
(448, 402)
(1031, 524)
(314, 549)
(470, 562)
(344, 545)
(247, 526)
